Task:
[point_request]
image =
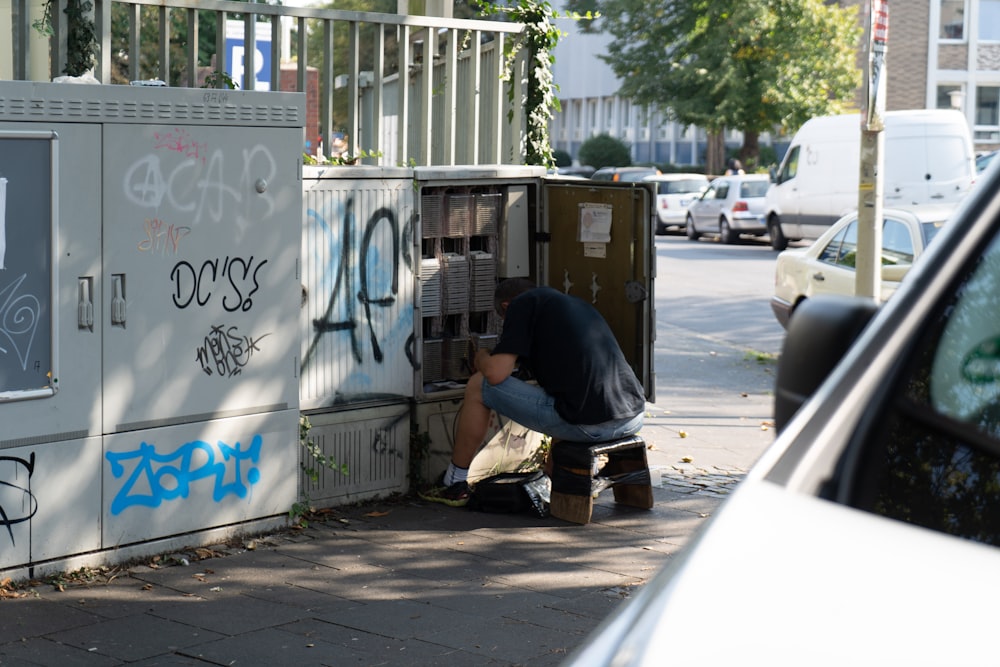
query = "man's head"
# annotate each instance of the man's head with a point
(507, 290)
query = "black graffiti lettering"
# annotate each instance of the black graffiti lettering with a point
(191, 285)
(325, 325)
(201, 280)
(242, 303)
(225, 352)
(179, 288)
(382, 224)
(363, 296)
(27, 506)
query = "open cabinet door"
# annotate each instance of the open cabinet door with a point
(596, 244)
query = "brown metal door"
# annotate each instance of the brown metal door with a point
(596, 244)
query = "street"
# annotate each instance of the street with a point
(716, 290)
(715, 356)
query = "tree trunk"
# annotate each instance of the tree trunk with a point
(715, 153)
(750, 152)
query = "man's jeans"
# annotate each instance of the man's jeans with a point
(530, 406)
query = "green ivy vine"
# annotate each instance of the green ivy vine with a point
(538, 40)
(81, 34)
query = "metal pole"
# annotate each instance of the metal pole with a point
(868, 267)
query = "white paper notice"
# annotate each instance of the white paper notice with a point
(595, 223)
(3, 222)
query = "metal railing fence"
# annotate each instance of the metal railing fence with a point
(441, 100)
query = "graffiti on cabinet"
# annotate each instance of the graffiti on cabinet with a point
(365, 275)
(225, 351)
(17, 503)
(186, 176)
(237, 275)
(19, 315)
(161, 238)
(151, 478)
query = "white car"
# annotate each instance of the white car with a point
(827, 266)
(674, 194)
(868, 534)
(732, 205)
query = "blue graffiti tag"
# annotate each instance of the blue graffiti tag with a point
(169, 476)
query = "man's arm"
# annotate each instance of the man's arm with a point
(495, 367)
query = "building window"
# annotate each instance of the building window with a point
(952, 19)
(989, 20)
(591, 114)
(608, 112)
(987, 114)
(949, 96)
(626, 113)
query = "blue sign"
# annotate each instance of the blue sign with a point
(235, 51)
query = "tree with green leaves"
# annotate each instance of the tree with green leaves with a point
(749, 65)
(605, 151)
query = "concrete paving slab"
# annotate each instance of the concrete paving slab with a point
(46, 652)
(136, 637)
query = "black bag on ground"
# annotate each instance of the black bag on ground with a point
(512, 492)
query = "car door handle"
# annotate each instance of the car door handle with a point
(819, 277)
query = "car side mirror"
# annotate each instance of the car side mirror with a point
(895, 272)
(772, 172)
(820, 333)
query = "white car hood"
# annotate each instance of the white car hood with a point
(784, 579)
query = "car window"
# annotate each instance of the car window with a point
(831, 253)
(930, 229)
(754, 188)
(897, 244)
(681, 187)
(790, 167)
(934, 456)
(847, 252)
(722, 191)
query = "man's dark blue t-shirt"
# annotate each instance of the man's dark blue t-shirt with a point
(573, 355)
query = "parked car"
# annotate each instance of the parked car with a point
(625, 174)
(674, 193)
(869, 532)
(730, 206)
(827, 266)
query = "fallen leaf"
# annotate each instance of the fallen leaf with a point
(687, 459)
(683, 434)
(744, 394)
(377, 514)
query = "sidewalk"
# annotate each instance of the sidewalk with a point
(406, 582)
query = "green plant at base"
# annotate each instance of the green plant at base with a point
(312, 461)
(215, 78)
(344, 160)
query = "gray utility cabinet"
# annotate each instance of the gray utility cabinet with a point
(148, 314)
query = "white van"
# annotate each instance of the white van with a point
(928, 158)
